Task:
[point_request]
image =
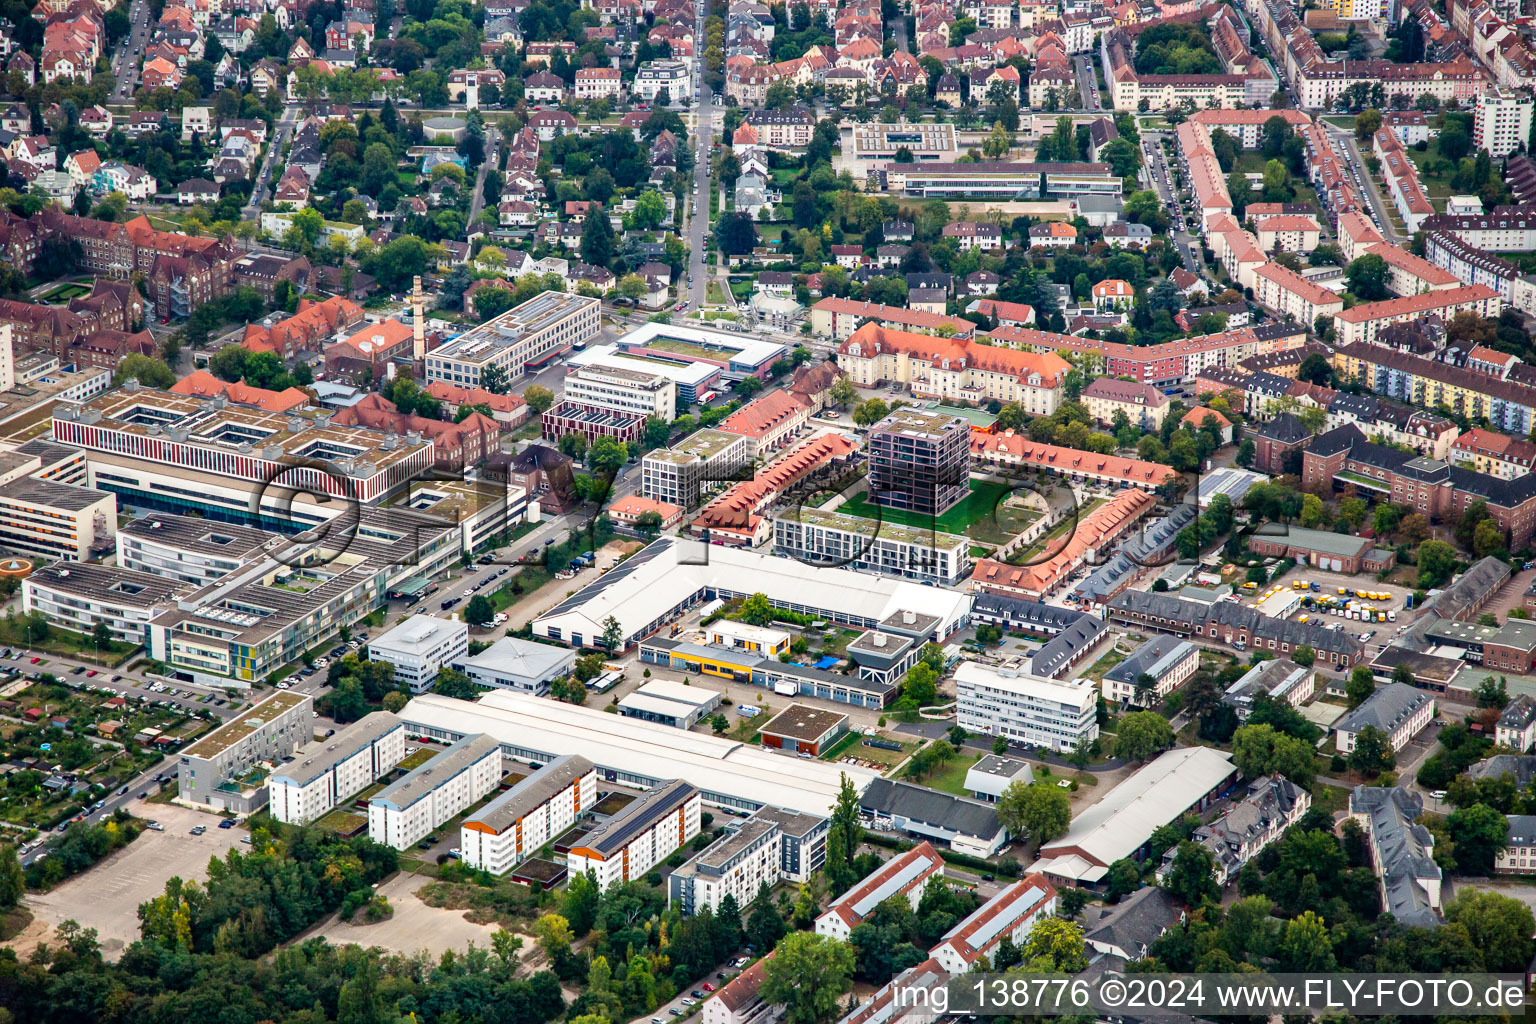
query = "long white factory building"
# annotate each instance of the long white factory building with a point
(727, 773)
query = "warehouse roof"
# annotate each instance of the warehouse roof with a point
(645, 750)
(1119, 824)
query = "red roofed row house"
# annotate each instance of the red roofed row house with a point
(733, 517)
(1094, 537)
(1017, 450)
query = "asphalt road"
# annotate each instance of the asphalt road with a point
(130, 58)
(1367, 184)
(1156, 164)
(698, 221)
(477, 201)
(280, 134)
(1087, 84)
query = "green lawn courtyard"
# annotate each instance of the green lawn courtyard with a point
(980, 515)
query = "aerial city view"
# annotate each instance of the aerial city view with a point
(713, 511)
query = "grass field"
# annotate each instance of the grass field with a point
(951, 778)
(981, 515)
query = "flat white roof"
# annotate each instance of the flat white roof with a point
(677, 693)
(671, 571)
(692, 374)
(418, 633)
(1116, 826)
(640, 749)
(738, 346)
(1076, 693)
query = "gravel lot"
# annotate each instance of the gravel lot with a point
(107, 897)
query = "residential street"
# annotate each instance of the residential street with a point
(126, 65)
(697, 228)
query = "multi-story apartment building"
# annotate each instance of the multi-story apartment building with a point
(225, 769)
(639, 837)
(1166, 660)
(787, 128)
(840, 318)
(677, 475)
(516, 825)
(1012, 914)
(1430, 487)
(772, 846)
(1516, 728)
(1011, 702)
(420, 647)
(1398, 710)
(1173, 362)
(818, 537)
(525, 337)
(598, 83)
(1233, 624)
(955, 368)
(1472, 265)
(1364, 322)
(1289, 294)
(357, 756)
(1402, 853)
(1509, 406)
(633, 392)
(1502, 122)
(1273, 804)
(919, 461)
(1144, 405)
(904, 875)
(1518, 855)
(1494, 454)
(405, 811)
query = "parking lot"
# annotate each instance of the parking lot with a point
(107, 897)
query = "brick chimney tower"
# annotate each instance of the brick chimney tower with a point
(418, 325)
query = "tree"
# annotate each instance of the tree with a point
(1246, 452)
(648, 524)
(1367, 277)
(1054, 946)
(554, 936)
(479, 611)
(1142, 735)
(1362, 683)
(1366, 123)
(1304, 656)
(869, 412)
(450, 682)
(735, 234)
(1305, 945)
(597, 241)
(1260, 750)
(1192, 877)
(807, 975)
(13, 881)
(539, 398)
(765, 925)
(147, 370)
(613, 635)
(1437, 560)
(1372, 753)
(842, 392)
(1499, 926)
(1478, 833)
(1041, 812)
